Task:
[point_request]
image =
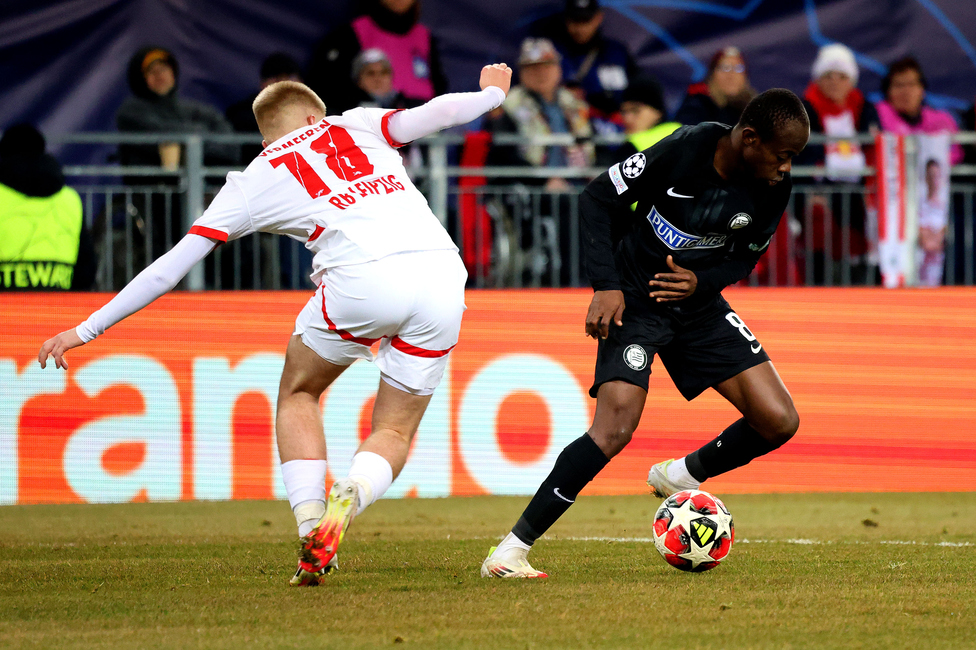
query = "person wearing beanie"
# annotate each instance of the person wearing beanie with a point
(372, 73)
(838, 109)
(644, 116)
(393, 26)
(44, 245)
(723, 95)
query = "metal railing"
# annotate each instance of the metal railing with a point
(512, 233)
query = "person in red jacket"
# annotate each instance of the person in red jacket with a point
(837, 108)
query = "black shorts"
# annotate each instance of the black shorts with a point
(698, 350)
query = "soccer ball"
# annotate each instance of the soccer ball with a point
(693, 530)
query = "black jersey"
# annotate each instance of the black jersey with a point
(714, 227)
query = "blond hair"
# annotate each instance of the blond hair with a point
(269, 102)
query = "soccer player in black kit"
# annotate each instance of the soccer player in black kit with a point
(709, 198)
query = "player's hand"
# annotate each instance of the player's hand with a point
(496, 74)
(605, 307)
(57, 346)
(668, 287)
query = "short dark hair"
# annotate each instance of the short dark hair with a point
(770, 111)
(903, 65)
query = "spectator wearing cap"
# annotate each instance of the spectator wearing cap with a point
(44, 244)
(393, 26)
(541, 105)
(600, 67)
(373, 74)
(903, 109)
(276, 67)
(156, 107)
(723, 95)
(839, 110)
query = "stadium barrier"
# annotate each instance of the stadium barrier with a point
(512, 232)
(177, 402)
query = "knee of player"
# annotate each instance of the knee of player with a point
(612, 440)
(783, 423)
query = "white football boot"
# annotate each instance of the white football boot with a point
(511, 563)
(658, 479)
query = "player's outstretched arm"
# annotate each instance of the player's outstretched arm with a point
(157, 279)
(454, 108)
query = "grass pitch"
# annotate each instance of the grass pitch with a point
(807, 571)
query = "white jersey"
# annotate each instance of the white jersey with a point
(339, 186)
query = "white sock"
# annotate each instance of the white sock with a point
(305, 484)
(510, 542)
(679, 475)
(374, 475)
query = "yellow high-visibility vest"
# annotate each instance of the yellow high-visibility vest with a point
(650, 137)
(39, 239)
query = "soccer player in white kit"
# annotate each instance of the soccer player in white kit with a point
(386, 271)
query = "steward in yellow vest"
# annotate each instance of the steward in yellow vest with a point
(40, 217)
(644, 115)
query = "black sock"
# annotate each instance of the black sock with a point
(734, 447)
(576, 466)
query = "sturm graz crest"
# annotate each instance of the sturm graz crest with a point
(634, 165)
(635, 357)
(740, 220)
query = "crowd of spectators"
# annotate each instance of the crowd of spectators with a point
(572, 80)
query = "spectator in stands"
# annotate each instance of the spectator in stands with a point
(723, 95)
(903, 108)
(541, 105)
(44, 244)
(644, 116)
(392, 26)
(837, 109)
(598, 66)
(276, 67)
(156, 107)
(373, 74)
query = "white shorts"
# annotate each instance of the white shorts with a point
(411, 302)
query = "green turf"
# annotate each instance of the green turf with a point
(215, 575)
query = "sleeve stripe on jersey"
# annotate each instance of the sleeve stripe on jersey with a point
(385, 125)
(315, 235)
(203, 231)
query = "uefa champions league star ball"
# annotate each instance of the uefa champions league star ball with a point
(693, 530)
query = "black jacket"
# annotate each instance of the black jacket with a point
(146, 112)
